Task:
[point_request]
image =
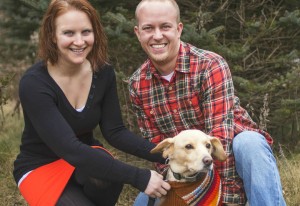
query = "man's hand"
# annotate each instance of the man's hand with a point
(157, 187)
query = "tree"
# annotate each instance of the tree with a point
(260, 39)
(261, 43)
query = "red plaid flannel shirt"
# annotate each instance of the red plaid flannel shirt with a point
(200, 95)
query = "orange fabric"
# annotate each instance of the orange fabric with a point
(99, 147)
(44, 185)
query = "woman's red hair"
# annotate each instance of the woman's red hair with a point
(47, 48)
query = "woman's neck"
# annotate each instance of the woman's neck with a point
(64, 69)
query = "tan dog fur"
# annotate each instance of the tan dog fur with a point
(188, 151)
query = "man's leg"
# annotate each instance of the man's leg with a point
(142, 200)
(256, 165)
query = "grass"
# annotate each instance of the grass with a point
(289, 173)
(10, 133)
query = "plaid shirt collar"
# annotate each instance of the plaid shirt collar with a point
(182, 64)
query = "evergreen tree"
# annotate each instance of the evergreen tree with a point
(19, 26)
(259, 39)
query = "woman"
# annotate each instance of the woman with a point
(64, 97)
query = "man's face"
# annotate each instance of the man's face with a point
(159, 32)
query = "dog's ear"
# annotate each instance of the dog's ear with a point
(166, 147)
(218, 151)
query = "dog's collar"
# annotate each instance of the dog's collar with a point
(197, 176)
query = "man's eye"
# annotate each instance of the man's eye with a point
(148, 28)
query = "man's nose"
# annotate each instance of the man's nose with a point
(157, 34)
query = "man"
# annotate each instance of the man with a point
(182, 87)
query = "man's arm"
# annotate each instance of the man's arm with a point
(147, 128)
(217, 103)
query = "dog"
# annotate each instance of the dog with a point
(191, 175)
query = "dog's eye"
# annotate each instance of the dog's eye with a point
(189, 146)
(208, 146)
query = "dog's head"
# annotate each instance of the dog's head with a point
(191, 151)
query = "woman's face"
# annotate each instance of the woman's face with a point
(74, 37)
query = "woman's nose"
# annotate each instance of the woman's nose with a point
(79, 40)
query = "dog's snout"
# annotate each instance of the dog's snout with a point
(207, 161)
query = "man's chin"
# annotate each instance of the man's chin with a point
(158, 58)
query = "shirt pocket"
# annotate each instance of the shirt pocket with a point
(160, 116)
(190, 112)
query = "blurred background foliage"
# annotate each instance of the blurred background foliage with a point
(260, 39)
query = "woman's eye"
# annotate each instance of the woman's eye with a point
(68, 33)
(86, 32)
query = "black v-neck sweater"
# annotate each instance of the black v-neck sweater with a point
(54, 129)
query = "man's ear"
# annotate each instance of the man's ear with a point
(137, 32)
(180, 28)
(166, 147)
(218, 151)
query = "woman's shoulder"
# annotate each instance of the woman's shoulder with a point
(106, 70)
(37, 69)
(37, 74)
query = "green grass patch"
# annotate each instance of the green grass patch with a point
(10, 136)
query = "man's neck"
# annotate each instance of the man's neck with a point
(165, 69)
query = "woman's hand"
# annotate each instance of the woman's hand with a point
(156, 187)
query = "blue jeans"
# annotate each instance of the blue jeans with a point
(256, 165)
(142, 200)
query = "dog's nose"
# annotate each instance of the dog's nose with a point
(207, 161)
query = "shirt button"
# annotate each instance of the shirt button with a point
(151, 112)
(170, 88)
(175, 110)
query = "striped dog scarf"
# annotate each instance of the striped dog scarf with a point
(205, 192)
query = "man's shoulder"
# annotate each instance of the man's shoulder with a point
(203, 53)
(140, 73)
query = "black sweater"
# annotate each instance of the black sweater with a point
(54, 129)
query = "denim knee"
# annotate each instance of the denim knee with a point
(256, 165)
(251, 148)
(249, 142)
